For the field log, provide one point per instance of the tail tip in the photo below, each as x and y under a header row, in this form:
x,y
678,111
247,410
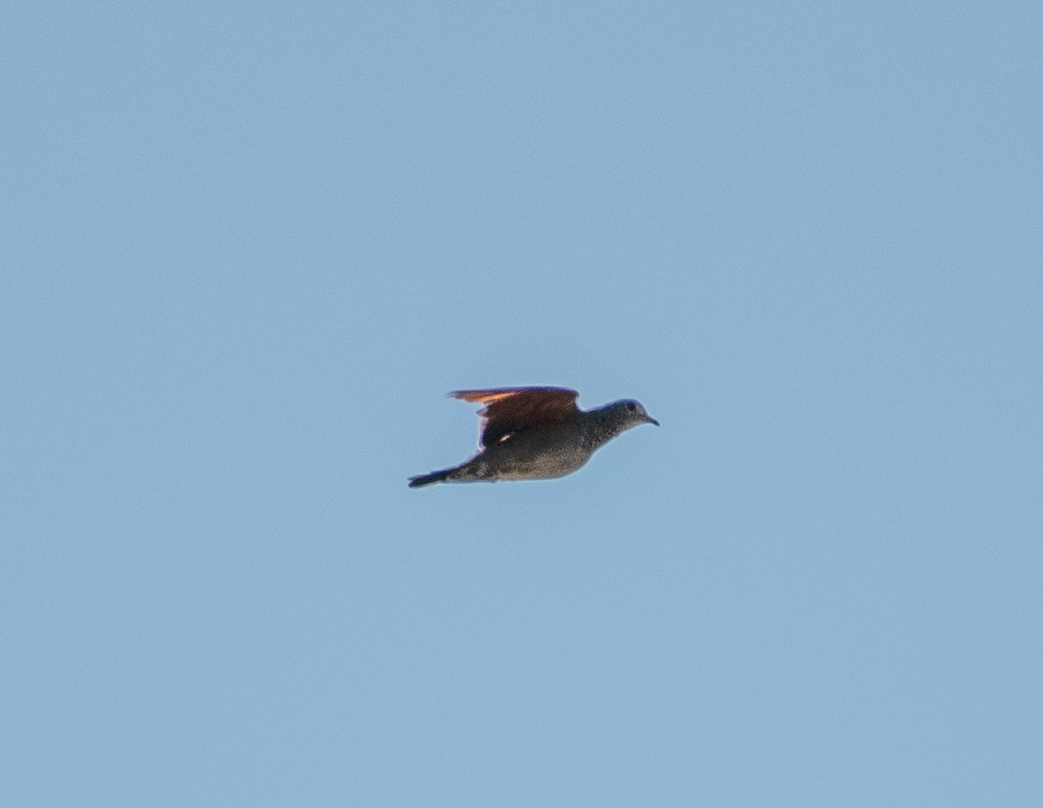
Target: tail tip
x,y
426,479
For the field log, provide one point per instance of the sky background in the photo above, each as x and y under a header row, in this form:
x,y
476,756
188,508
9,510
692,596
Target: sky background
x,y
246,250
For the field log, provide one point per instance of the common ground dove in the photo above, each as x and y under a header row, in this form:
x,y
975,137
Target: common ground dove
x,y
535,433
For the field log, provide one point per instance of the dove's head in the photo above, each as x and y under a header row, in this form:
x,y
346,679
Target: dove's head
x,y
628,413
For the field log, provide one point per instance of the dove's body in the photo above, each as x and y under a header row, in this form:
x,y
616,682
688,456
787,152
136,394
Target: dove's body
x,y
536,433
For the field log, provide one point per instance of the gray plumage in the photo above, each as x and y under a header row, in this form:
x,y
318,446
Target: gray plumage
x,y
536,433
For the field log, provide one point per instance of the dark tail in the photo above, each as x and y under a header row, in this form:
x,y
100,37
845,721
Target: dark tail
x,y
428,479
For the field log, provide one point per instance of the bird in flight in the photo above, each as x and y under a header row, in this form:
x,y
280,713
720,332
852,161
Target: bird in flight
x,y
535,433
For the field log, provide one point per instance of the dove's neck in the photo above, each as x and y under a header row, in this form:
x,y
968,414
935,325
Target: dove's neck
x,y
600,426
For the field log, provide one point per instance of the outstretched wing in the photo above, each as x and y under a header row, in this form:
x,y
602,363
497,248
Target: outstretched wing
x,y
509,410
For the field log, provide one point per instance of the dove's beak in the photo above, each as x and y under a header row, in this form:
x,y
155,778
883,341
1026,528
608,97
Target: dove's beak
x,y
651,420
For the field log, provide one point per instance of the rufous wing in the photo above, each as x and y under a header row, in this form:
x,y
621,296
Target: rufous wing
x,y
509,410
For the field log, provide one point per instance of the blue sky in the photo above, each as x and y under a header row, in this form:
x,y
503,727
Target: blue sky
x,y
245,251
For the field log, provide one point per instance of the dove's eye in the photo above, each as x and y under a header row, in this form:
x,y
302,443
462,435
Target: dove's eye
x,y
632,407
